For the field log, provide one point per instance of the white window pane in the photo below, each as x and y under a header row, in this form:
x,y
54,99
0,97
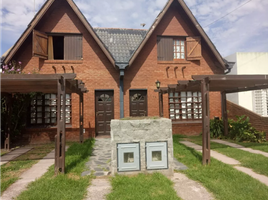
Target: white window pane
x,y
53,108
68,120
68,108
189,105
68,96
177,111
189,110
67,114
178,42
184,116
178,49
195,99
177,117
183,111
183,105
183,99
171,110
175,55
195,111
182,42
176,94
195,94
182,50
176,100
183,94
47,96
53,102
178,56
189,99
189,94
189,116
195,116
171,100
53,114
177,105
53,96
182,55
171,106
171,116
171,94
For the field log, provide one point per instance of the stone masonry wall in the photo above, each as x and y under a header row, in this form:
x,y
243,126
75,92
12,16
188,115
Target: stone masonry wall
x,y
142,131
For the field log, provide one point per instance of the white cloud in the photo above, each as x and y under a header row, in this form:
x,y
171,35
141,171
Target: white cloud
x,y
244,29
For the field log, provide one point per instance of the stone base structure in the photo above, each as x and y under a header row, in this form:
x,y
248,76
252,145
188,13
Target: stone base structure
x,y
142,132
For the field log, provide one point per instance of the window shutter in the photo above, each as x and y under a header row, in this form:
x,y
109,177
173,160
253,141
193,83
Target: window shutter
x,y
40,44
165,48
193,45
73,47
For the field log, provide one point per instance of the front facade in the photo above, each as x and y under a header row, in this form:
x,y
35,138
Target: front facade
x,y
257,100
119,68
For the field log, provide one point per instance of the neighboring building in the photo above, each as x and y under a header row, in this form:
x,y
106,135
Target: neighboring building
x,y
250,63
119,68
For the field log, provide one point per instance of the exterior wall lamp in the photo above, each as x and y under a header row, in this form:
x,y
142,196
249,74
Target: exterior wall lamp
x,y
157,84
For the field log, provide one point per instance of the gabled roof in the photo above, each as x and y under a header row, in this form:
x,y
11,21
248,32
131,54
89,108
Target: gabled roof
x,y
39,16
205,37
121,43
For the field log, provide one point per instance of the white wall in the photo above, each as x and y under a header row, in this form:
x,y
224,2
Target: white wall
x,y
247,63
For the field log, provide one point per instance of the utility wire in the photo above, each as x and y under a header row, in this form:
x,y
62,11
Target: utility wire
x,y
227,14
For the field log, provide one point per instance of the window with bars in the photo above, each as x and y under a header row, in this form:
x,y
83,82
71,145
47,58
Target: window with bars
x,y
185,105
261,102
43,109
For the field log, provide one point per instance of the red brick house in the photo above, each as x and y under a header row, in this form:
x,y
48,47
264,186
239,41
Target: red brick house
x,y
119,68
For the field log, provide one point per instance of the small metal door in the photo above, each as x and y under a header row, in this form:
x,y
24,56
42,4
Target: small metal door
x,y
138,103
128,157
156,155
104,111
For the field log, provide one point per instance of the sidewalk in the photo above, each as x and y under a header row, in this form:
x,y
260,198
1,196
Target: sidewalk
x,y
14,154
36,171
241,147
230,161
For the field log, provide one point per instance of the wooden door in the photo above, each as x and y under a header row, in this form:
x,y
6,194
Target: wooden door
x,y
138,103
104,101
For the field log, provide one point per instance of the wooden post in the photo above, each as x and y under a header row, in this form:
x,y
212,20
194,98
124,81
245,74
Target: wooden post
x,y
61,119
81,116
205,121
8,128
224,113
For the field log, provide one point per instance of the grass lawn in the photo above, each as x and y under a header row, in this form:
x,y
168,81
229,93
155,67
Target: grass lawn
x,y
142,186
11,171
64,186
256,162
221,179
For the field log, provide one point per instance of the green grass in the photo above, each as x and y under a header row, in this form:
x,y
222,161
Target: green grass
x,y
11,171
224,181
143,186
256,162
64,186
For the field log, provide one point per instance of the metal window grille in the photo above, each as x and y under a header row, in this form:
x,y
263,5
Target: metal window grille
x,y
185,105
43,110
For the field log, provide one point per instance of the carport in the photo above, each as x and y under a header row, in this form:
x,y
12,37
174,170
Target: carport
x,y
47,83
214,83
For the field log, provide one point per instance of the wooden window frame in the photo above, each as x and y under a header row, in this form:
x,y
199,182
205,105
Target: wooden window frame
x,y
180,39
176,104
42,97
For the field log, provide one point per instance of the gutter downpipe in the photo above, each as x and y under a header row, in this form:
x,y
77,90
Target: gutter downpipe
x,y
122,67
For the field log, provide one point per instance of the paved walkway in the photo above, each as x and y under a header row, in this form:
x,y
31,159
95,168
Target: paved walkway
x,y
14,154
188,189
36,171
98,189
230,161
241,147
100,159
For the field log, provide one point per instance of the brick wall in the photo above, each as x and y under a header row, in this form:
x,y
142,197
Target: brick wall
x,y
257,121
98,73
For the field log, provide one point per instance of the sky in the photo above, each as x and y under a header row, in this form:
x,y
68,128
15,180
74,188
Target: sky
x,y
232,25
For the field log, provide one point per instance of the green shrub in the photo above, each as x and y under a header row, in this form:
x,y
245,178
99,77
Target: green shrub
x,y
216,128
239,130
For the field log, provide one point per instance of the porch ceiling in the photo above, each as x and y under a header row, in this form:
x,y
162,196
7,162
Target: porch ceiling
x,y
223,83
46,83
